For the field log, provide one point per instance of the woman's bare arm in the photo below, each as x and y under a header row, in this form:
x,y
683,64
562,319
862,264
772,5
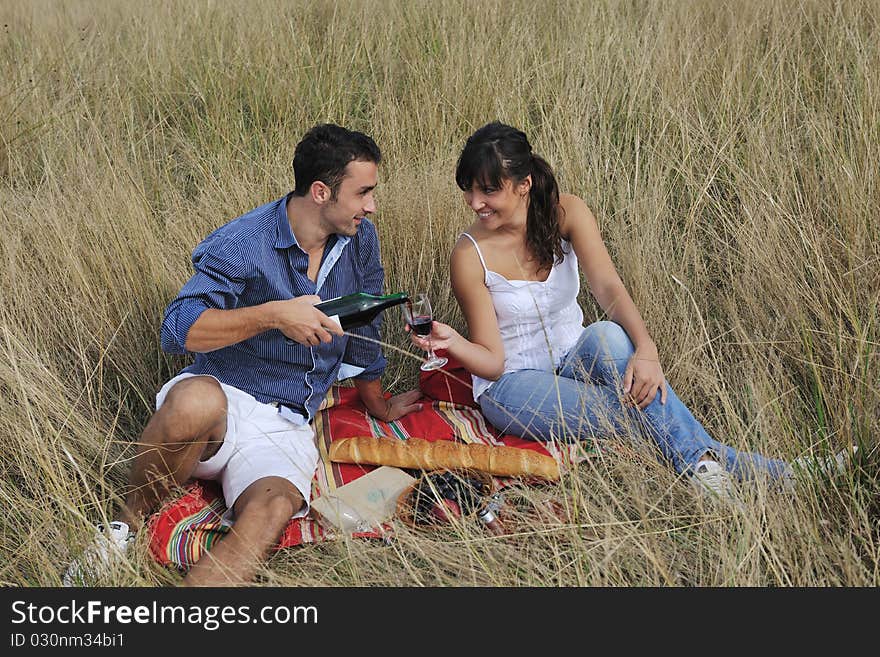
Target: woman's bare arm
x,y
644,376
483,353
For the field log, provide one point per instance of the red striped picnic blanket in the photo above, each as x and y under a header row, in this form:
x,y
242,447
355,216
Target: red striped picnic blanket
x,y
186,527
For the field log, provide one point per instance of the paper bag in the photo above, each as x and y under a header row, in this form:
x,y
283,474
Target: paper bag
x,y
366,502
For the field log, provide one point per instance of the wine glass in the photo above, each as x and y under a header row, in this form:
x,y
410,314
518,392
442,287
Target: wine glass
x,y
420,317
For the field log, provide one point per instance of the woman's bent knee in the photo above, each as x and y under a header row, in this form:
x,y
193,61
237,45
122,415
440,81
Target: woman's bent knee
x,y
609,338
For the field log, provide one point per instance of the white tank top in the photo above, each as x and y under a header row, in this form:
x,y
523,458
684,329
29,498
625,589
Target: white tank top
x,y
539,321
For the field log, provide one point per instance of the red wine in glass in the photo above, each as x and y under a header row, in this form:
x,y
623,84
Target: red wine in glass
x,y
421,324
420,317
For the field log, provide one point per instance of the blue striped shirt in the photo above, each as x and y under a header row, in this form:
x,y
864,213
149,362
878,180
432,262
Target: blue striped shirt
x,y
254,259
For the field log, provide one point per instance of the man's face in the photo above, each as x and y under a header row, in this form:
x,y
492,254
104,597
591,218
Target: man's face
x,y
354,199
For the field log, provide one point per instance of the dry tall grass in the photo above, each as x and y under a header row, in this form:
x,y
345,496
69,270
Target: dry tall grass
x,y
728,149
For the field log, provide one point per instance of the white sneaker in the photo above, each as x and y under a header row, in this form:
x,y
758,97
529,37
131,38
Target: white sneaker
x,y
710,476
810,466
107,548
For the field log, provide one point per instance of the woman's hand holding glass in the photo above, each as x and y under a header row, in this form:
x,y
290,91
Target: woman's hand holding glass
x,y
419,317
441,337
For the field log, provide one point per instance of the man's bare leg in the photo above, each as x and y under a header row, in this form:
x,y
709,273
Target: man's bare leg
x,y
189,426
262,512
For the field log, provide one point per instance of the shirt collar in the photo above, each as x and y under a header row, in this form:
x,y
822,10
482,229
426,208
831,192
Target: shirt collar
x,y
284,238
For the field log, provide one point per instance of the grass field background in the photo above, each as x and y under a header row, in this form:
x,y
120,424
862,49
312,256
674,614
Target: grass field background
x,y
728,149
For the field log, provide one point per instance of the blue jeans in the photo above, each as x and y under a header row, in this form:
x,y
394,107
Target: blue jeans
x,y
584,400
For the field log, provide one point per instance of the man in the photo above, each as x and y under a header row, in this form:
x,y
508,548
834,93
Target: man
x,y
265,357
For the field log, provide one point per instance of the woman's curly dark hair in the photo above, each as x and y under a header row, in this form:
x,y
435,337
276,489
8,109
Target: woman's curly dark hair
x,y
498,152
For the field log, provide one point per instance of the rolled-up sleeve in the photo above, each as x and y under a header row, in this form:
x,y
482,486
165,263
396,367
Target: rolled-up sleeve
x,y
367,353
218,281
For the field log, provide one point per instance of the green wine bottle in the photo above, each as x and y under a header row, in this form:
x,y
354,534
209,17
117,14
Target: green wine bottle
x,y
359,309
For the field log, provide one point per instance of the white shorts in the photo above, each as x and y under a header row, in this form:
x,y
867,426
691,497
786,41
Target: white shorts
x,y
259,443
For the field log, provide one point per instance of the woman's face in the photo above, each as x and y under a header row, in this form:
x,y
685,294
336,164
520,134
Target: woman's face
x,y
500,206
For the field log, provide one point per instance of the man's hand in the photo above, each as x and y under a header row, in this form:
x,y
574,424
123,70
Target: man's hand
x,y
398,406
299,320
389,409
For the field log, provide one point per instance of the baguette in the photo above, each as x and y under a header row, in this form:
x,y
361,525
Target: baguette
x,y
426,455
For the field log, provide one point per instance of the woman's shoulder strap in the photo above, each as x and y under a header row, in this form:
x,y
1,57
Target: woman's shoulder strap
x,y
477,247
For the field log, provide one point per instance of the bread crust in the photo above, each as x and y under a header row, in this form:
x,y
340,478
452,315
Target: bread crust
x,y
423,454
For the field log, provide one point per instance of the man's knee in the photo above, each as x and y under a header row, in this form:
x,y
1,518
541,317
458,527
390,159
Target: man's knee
x,y
274,500
193,408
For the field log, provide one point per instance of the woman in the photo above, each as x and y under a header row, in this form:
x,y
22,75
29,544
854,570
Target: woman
x,y
537,372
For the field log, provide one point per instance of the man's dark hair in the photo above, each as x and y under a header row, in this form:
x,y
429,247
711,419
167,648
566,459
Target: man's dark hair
x,y
324,152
